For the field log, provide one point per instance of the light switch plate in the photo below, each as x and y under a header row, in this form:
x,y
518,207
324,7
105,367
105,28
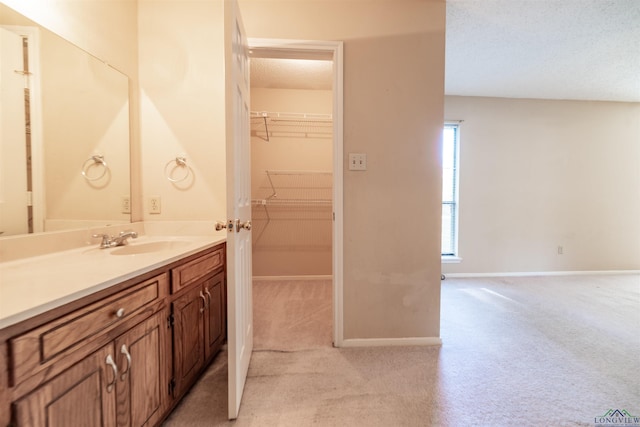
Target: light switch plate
x,y
357,162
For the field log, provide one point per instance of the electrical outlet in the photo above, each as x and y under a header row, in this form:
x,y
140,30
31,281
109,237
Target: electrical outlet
x,y
154,204
125,204
560,250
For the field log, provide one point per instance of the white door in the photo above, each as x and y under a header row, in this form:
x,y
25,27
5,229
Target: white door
x,y
13,146
239,277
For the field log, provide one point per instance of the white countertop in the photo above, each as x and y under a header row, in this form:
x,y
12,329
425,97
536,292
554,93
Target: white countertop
x,y
31,286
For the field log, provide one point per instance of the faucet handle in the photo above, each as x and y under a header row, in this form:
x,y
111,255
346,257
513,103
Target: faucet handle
x,y
106,240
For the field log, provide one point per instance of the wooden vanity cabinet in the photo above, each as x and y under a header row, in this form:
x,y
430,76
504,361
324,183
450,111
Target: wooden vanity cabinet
x,y
120,384
124,359
199,320
215,327
83,395
141,389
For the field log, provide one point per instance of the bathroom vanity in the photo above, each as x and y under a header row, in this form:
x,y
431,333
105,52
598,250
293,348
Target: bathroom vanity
x,y
121,344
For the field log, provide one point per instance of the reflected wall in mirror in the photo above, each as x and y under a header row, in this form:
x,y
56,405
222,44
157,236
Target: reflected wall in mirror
x,y
64,133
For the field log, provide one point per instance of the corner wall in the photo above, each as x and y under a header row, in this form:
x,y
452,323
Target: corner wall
x,y
539,174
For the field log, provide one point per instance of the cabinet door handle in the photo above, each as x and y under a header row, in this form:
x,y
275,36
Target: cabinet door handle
x,y
124,351
204,302
120,313
111,363
206,291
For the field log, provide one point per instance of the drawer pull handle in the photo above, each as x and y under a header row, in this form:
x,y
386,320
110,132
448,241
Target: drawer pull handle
x,y
124,351
120,313
204,302
206,291
111,363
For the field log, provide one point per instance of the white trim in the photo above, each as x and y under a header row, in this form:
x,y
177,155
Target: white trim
x,y
306,277
334,48
542,273
456,226
391,342
338,198
450,259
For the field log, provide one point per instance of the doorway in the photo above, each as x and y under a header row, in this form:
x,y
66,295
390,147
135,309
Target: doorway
x,y
296,138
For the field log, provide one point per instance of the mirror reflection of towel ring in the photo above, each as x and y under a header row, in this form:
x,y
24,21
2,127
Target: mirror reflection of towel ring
x,y
180,162
94,160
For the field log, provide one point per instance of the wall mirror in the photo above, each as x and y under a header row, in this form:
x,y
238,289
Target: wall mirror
x,y
64,133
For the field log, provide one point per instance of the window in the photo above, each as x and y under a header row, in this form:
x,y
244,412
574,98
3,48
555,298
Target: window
x,y
450,149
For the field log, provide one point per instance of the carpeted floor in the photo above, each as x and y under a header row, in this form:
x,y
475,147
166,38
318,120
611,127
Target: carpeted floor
x,y
536,351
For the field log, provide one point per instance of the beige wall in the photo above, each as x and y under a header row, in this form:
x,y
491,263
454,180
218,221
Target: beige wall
x,y
538,174
182,99
292,240
393,112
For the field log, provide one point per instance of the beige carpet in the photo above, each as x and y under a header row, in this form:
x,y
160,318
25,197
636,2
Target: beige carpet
x,y
554,351
292,315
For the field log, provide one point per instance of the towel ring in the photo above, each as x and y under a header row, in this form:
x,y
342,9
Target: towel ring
x,y
179,162
97,159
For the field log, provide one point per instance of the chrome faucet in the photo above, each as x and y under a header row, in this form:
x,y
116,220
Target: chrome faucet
x,y
119,240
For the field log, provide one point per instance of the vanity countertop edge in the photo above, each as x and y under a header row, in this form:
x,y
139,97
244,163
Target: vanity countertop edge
x,y
32,286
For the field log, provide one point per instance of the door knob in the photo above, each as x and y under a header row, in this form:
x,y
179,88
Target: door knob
x,y
246,225
220,225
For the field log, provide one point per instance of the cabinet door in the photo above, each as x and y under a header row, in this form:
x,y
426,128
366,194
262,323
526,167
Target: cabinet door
x,y
188,357
83,395
142,374
215,327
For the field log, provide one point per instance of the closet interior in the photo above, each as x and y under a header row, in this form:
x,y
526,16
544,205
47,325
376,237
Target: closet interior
x,y
291,176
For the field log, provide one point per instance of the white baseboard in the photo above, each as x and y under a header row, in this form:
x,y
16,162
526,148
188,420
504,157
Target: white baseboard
x,y
307,277
389,342
542,273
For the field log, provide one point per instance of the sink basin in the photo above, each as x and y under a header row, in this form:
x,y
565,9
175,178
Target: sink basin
x,y
149,247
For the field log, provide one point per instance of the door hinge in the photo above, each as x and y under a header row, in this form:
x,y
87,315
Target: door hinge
x,y
172,386
170,321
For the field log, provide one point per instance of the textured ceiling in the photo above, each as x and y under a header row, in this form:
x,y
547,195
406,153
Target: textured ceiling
x,y
291,73
550,49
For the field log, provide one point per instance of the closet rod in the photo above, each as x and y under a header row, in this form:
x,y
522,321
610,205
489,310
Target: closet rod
x,y
295,172
263,202
291,116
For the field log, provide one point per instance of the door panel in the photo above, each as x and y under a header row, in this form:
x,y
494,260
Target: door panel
x,y
239,307
142,380
188,337
214,327
80,396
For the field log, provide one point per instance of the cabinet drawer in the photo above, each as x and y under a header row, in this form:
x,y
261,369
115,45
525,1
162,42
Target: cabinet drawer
x,y
48,343
192,271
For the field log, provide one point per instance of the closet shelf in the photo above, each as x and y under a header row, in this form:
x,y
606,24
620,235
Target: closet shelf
x,y
295,197
291,202
266,124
